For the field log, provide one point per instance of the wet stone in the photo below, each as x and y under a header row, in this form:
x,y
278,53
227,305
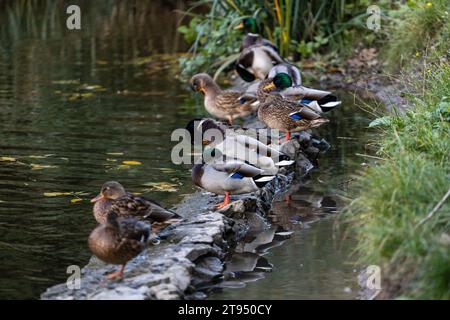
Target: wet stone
x,y
190,258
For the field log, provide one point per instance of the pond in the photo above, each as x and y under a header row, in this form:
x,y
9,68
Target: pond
x,y
83,107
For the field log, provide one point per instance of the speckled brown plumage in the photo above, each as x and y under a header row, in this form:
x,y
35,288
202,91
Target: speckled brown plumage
x,y
119,239
222,104
275,111
114,198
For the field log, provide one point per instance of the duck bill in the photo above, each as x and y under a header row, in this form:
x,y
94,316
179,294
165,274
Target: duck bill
x,y
97,198
269,86
239,26
202,91
205,142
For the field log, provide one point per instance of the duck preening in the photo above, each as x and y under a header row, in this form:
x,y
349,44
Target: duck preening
x,y
119,240
228,177
250,26
113,198
222,104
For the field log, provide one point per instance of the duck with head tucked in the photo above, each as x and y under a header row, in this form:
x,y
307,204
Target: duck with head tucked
x,y
237,146
114,198
222,104
119,240
227,177
284,114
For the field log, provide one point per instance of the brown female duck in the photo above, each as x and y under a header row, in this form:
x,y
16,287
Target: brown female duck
x,y
224,105
119,240
284,114
114,198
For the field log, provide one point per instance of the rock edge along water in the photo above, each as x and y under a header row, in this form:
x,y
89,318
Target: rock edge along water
x,y
192,254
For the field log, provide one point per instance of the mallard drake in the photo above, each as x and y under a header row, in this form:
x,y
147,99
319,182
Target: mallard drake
x,y
222,104
114,198
284,114
234,146
119,240
256,61
287,79
229,177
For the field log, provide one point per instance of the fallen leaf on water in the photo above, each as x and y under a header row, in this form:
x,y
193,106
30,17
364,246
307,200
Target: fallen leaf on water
x,y
161,186
40,157
10,159
131,162
57,194
78,96
74,81
35,166
115,153
75,200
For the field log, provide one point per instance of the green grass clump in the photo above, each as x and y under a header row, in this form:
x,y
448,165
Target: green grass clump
x,y
418,25
395,196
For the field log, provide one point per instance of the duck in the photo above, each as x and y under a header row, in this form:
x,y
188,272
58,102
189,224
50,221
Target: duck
x,y
289,85
114,198
237,146
227,178
223,104
283,114
252,37
119,240
255,62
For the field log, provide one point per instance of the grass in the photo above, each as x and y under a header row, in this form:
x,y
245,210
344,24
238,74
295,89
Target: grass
x,y
396,196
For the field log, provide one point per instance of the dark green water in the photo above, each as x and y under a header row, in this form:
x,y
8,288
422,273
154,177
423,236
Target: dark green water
x,y
75,105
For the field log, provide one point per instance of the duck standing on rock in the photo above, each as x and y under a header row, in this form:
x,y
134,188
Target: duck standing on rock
x,y
119,240
289,85
228,177
283,114
113,198
222,104
238,146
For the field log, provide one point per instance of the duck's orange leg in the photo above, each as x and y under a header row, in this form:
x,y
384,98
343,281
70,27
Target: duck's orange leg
x,y
230,120
226,201
117,274
288,136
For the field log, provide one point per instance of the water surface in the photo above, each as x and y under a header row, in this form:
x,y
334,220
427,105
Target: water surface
x,y
75,105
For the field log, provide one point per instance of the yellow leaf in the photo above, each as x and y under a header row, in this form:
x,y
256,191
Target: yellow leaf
x,y
10,159
162,186
131,162
35,166
57,194
75,200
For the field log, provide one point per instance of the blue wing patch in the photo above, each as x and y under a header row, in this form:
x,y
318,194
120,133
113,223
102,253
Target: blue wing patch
x,y
237,176
305,101
295,116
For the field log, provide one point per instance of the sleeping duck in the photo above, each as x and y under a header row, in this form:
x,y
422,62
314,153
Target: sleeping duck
x,y
119,240
284,114
224,105
114,198
228,177
237,146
